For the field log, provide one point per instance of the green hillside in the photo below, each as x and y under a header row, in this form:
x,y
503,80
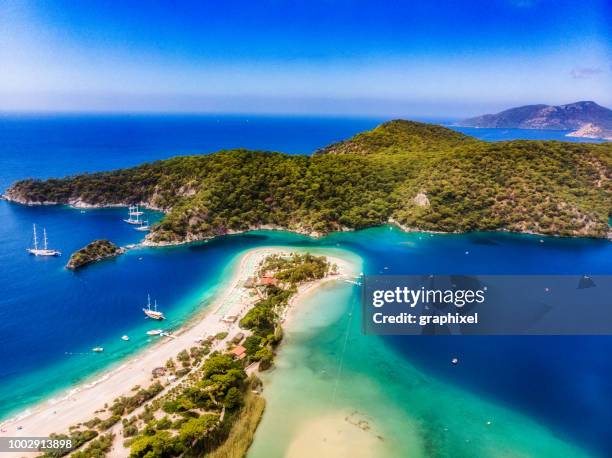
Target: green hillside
x,y
400,136
421,176
94,251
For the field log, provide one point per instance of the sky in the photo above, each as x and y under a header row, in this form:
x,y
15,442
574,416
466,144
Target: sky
x,y
427,58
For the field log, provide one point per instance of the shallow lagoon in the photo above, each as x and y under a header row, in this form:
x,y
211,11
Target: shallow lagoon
x,y
363,393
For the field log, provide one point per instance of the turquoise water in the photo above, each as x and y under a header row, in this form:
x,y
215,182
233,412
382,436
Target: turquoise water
x,y
329,373
50,317
183,278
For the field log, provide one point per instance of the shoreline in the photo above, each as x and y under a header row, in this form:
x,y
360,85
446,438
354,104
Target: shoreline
x,y
79,403
271,227
344,429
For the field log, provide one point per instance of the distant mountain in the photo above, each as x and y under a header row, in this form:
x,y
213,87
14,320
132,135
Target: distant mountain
x,y
585,119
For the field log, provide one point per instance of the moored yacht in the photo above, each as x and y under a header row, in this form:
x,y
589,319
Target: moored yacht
x,y
44,251
144,226
152,312
132,220
133,211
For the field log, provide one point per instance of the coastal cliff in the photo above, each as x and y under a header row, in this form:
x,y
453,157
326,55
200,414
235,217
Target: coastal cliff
x,y
419,176
93,252
590,130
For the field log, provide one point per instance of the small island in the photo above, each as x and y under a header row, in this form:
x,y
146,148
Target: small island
x,y
93,252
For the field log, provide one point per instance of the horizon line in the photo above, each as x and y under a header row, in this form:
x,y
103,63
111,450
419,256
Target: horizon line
x,y
389,117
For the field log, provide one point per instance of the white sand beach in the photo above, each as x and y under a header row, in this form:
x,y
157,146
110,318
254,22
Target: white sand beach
x,y
337,435
81,402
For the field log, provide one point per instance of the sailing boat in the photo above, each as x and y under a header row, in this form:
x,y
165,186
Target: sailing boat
x,y
132,213
144,226
45,251
152,313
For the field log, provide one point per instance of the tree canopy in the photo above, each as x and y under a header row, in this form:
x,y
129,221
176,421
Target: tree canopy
x,y
419,175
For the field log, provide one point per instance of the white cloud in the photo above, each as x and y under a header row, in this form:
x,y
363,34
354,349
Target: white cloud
x,y
585,72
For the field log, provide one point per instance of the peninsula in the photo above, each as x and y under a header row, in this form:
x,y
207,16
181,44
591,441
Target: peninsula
x,y
93,252
197,391
585,119
418,176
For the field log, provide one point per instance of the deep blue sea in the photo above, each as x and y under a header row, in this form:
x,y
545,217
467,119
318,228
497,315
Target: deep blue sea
x,y
50,317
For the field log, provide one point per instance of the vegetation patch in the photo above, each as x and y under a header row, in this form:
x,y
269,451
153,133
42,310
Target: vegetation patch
x,y
241,434
93,252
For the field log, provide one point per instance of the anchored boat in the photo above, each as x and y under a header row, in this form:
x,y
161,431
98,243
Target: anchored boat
x,y
44,251
133,211
153,312
144,226
131,220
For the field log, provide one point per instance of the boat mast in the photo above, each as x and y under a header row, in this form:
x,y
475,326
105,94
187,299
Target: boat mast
x,y
44,238
35,238
149,301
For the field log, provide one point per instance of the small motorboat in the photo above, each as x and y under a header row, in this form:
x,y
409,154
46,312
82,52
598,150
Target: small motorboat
x,y
97,349
126,338
154,332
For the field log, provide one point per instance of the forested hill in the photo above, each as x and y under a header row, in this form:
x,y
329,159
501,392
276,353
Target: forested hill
x,y
398,137
418,175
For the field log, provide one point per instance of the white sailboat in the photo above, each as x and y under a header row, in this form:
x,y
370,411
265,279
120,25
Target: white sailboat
x,y
144,226
133,211
131,219
44,251
152,313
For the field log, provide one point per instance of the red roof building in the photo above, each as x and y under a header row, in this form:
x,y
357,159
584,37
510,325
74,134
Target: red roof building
x,y
268,281
238,352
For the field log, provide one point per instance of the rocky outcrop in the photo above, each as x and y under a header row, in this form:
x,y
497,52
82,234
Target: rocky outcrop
x,y
93,252
421,200
17,195
590,130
